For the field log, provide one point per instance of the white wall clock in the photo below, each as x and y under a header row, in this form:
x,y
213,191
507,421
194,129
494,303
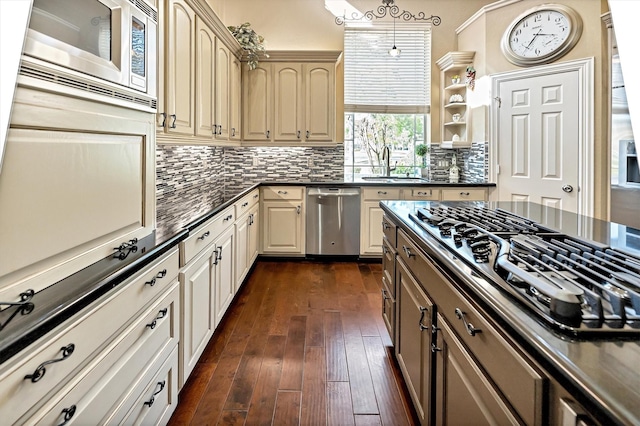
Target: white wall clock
x,y
541,35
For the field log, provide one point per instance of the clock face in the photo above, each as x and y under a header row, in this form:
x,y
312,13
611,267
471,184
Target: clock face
x,y
541,35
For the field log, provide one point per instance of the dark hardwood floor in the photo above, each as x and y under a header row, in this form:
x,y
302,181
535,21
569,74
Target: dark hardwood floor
x,y
302,344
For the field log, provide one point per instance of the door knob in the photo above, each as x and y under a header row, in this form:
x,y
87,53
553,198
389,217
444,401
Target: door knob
x,y
567,188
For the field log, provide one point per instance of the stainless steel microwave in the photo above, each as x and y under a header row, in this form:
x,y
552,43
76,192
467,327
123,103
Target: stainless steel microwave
x,y
111,40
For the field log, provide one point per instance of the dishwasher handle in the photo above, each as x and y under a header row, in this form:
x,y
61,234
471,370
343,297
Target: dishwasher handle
x,y
333,192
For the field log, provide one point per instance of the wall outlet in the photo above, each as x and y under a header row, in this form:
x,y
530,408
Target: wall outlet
x,y
254,161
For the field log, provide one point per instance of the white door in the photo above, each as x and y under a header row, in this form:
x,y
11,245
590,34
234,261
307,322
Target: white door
x,y
543,137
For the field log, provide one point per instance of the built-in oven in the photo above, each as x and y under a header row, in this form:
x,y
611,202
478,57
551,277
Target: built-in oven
x,y
109,40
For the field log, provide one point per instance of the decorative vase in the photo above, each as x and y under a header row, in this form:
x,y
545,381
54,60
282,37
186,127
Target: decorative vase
x,y
455,80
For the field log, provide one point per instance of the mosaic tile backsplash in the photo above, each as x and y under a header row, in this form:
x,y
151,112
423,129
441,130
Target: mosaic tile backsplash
x,y
225,171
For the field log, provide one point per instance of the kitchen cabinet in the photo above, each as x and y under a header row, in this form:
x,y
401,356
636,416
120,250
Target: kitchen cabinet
x,y
107,354
478,371
454,111
68,160
415,313
199,99
290,101
464,194
389,288
207,285
247,235
283,220
371,231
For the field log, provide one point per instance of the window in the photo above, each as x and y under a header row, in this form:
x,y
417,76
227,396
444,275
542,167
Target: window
x,y
386,98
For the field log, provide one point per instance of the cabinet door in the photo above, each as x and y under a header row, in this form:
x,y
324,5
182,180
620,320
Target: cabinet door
x,y
288,101
222,98
257,103
254,234
205,79
371,228
196,281
224,279
319,103
242,248
235,95
181,64
413,344
463,394
283,227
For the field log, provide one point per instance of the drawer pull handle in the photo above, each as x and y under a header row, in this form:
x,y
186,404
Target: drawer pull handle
x,y
308,134
41,370
164,119
203,236
173,125
158,276
256,196
68,414
384,295
382,192
423,312
245,204
156,391
219,255
228,218
161,314
435,348
24,306
233,132
251,219
298,209
407,251
124,249
385,225
465,194
424,193
470,328
282,192
298,134
268,133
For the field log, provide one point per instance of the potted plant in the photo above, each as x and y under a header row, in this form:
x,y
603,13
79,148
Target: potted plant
x,y
455,79
251,42
421,151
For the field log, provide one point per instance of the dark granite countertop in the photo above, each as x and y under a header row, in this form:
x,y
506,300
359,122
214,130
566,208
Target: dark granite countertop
x,y
604,372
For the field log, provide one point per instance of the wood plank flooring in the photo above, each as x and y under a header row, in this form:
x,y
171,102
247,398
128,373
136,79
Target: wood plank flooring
x,y
302,344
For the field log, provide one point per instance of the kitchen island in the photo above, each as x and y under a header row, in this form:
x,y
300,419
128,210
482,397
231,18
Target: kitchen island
x,y
530,368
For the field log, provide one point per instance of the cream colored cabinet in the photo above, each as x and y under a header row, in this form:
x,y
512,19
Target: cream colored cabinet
x,y
371,231
283,220
205,86
222,92
247,235
104,355
289,102
389,288
179,112
207,285
465,194
198,69
257,103
235,101
77,181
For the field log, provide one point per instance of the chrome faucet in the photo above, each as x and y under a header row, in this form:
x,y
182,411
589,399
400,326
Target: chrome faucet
x,y
386,157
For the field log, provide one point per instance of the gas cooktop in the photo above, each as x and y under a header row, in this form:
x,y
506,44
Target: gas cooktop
x,y
579,287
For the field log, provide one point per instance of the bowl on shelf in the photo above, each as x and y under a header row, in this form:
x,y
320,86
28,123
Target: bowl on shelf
x,y
457,97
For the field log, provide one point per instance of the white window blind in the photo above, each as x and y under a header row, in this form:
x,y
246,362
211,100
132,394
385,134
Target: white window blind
x,y
376,82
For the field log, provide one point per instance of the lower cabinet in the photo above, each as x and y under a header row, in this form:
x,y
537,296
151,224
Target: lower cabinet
x,y
463,392
96,367
247,238
389,288
415,314
208,287
283,220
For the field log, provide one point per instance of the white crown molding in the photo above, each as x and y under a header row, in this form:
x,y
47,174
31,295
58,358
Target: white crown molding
x,y
302,56
483,10
455,59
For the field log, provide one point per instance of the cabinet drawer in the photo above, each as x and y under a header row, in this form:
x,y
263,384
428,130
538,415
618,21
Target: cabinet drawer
x,y
205,234
517,379
464,194
422,194
247,202
381,193
389,231
107,383
87,332
282,193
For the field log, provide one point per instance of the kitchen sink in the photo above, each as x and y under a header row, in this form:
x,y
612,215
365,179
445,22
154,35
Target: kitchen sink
x,y
394,179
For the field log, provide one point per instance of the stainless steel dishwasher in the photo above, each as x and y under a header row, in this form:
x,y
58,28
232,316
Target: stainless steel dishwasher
x,y
333,221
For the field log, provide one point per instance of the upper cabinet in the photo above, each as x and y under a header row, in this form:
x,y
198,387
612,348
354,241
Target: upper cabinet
x,y
290,101
454,113
200,78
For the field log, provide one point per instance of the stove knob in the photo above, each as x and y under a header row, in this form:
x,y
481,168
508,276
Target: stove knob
x,y
481,247
470,233
478,239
